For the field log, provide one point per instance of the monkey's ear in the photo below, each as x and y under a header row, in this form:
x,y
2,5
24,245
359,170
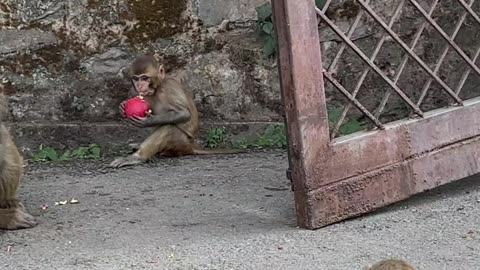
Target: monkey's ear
x,y
161,72
128,72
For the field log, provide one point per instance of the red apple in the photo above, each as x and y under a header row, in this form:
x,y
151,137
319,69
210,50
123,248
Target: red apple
x,y
136,107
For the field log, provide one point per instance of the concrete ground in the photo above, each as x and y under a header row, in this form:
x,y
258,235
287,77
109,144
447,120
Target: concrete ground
x,y
225,213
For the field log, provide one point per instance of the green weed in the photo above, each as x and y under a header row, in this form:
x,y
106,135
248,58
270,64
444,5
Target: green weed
x,y
266,30
92,151
349,126
216,137
274,136
266,27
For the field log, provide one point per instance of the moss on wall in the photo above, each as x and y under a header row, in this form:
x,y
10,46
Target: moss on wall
x,y
156,19
6,18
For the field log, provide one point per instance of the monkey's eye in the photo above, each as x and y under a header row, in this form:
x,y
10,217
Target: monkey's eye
x,y
141,78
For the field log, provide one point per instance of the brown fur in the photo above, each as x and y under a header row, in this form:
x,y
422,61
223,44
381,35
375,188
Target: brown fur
x,y
391,264
168,100
13,215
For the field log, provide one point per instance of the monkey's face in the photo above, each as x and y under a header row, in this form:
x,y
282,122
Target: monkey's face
x,y
142,84
146,76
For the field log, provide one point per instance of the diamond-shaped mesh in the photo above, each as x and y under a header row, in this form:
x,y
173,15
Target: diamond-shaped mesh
x,y
387,61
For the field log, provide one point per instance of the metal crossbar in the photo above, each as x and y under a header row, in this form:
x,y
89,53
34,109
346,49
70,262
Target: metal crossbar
x,y
408,54
410,51
477,52
405,58
350,32
444,54
369,63
367,70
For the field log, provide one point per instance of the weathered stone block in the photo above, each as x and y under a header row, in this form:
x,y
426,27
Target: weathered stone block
x,y
109,63
213,12
12,40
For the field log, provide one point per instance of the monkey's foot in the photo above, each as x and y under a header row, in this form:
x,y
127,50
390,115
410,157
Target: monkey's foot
x,y
125,161
15,219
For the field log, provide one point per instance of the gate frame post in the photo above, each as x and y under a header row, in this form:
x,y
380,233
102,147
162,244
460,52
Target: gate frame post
x,y
301,80
355,174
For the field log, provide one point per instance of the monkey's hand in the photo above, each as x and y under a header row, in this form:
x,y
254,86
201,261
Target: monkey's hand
x,y
141,122
122,107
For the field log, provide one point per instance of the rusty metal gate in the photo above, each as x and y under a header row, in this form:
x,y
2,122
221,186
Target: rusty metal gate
x,y
433,141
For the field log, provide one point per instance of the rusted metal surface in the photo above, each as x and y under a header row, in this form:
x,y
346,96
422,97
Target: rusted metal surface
x,y
367,151
300,68
367,192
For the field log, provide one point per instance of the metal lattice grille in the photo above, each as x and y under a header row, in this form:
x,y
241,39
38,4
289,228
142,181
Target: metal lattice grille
x,y
432,90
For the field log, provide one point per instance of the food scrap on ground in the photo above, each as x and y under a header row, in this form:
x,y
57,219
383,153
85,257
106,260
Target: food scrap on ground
x,y
72,201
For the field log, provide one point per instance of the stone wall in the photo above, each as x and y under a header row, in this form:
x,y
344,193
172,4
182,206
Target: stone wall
x,y
63,63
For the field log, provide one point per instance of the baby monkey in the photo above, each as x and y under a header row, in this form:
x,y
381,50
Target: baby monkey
x,y
391,264
174,115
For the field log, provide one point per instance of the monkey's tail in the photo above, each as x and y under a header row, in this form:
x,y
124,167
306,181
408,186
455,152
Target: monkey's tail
x,y
199,151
